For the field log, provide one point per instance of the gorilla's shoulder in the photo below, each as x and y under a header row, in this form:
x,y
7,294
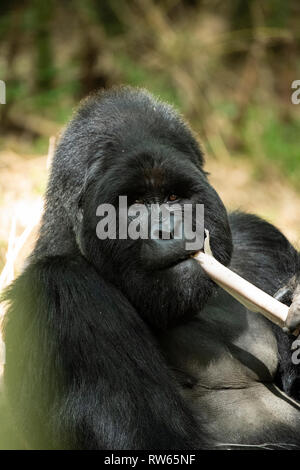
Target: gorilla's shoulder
x,y
261,253
246,227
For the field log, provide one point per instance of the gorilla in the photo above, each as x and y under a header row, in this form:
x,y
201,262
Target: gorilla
x,y
127,344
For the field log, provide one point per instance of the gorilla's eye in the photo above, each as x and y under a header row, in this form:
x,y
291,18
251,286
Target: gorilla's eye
x,y
172,197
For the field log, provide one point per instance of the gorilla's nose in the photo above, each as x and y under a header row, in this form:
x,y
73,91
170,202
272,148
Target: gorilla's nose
x,y
161,233
166,228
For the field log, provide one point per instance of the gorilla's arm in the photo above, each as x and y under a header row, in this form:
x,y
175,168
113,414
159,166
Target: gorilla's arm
x,y
83,362
264,256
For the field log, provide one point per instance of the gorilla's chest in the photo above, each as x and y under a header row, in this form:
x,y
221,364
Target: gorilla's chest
x,y
225,347
225,361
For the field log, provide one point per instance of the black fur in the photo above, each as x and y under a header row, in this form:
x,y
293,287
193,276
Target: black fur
x,y
264,256
86,367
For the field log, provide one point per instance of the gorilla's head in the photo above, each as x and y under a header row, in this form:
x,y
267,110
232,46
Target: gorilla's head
x,y
124,142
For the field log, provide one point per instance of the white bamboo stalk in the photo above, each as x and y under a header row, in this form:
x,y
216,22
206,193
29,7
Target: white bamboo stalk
x,y
246,293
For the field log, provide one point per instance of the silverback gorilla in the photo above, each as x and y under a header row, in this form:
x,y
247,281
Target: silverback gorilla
x,y
122,344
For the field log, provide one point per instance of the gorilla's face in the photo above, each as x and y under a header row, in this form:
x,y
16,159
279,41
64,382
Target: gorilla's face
x,y
136,146
159,277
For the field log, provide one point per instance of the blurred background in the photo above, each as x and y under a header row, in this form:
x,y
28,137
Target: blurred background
x,y
227,66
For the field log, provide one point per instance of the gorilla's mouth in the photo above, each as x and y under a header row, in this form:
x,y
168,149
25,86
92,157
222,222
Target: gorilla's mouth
x,y
168,254
188,257
183,265
185,257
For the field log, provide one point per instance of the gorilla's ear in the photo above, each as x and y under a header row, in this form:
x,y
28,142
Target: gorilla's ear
x,y
78,219
92,171
79,215
90,174
78,204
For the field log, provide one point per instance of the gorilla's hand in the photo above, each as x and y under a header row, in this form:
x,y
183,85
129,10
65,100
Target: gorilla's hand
x,y
293,319
290,295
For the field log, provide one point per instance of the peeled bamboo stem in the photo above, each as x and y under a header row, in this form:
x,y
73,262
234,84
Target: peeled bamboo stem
x,y
246,293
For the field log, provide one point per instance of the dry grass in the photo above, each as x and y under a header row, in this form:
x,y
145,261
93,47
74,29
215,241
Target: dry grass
x,y
20,213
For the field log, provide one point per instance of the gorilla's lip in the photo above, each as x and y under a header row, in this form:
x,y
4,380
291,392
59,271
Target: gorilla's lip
x,y
180,260
159,256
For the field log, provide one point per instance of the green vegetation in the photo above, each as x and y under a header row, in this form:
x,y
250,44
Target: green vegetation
x,y
227,65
